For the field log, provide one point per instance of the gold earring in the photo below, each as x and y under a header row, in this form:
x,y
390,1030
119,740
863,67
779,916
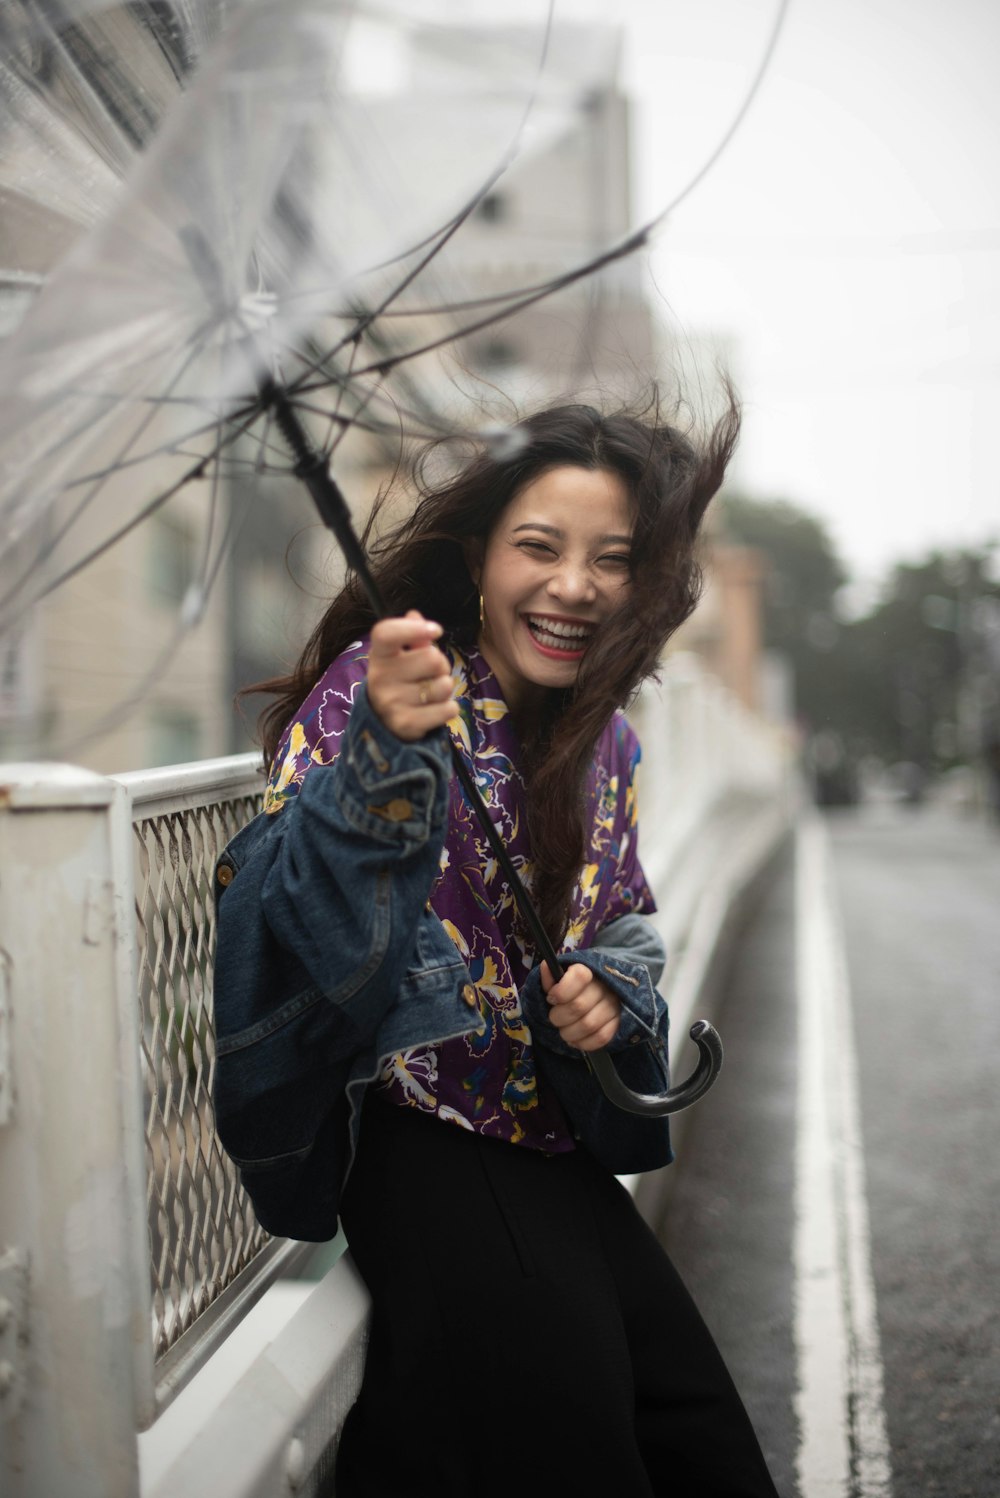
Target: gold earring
x,y
482,613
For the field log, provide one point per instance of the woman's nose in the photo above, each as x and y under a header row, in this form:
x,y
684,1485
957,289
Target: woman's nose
x,y
572,584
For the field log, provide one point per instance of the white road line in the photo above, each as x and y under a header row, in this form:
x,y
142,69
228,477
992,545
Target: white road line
x,y
844,1448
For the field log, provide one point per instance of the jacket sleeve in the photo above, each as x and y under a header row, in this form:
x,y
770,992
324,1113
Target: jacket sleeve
x,y
324,898
621,1142
353,868
317,918
634,938
629,955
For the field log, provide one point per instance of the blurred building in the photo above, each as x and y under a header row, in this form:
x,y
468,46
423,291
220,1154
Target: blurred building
x,y
565,200
725,629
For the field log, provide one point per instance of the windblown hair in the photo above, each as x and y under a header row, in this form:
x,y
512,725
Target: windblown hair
x,y
670,476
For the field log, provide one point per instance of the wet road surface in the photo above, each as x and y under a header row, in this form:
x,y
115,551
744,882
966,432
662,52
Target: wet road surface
x,y
836,1201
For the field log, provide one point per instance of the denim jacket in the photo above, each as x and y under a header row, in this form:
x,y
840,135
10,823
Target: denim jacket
x,y
329,959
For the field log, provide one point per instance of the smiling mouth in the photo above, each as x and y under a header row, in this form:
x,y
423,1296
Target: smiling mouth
x,y
559,636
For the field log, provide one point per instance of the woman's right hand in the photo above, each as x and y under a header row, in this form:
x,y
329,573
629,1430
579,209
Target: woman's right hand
x,y
410,686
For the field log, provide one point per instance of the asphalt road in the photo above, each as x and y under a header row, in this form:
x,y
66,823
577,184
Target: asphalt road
x,y
873,1373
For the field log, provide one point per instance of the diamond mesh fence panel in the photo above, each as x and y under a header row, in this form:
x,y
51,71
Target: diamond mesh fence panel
x,y
202,1230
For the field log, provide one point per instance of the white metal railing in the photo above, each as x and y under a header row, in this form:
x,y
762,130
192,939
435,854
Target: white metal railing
x,y
700,745
209,1257
130,1249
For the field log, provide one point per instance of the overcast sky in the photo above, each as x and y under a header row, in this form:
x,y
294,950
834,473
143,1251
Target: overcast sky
x,y
848,241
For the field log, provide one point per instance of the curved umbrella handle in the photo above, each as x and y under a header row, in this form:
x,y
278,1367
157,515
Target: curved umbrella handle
x,y
658,1105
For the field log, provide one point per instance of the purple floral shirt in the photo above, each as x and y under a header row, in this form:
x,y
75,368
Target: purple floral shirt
x,y
487,1081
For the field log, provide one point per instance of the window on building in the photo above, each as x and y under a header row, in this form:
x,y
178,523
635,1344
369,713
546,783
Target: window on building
x,y
494,208
17,682
171,559
174,736
497,353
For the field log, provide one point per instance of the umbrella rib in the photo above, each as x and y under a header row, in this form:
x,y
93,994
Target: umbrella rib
x,y
95,481
432,243
516,302
435,243
155,402
264,442
334,419
354,420
355,345
166,655
558,283
141,515
525,298
777,26
174,445
375,427
422,423
77,47
304,382
196,345
213,510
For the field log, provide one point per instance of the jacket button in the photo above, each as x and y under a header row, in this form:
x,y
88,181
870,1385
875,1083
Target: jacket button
x,y
636,1040
224,874
469,995
396,810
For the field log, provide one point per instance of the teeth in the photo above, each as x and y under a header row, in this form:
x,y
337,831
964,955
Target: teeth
x,y
558,630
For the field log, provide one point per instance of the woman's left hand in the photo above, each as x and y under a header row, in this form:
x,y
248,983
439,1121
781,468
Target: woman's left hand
x,y
582,1007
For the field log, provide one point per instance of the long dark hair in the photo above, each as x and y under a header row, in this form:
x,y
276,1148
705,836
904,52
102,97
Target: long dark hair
x,y
670,475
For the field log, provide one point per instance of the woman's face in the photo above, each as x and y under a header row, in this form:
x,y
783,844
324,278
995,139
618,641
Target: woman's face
x,y
554,566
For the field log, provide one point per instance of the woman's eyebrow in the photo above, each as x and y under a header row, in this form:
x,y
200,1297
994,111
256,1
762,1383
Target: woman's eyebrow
x,y
553,530
537,525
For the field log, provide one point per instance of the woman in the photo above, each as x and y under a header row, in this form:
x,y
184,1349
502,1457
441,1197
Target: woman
x,y
389,1047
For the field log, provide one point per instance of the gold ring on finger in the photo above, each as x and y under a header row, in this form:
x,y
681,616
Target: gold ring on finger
x,y
424,693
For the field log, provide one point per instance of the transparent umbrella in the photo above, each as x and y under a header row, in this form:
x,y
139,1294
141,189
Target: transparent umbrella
x,y
242,204
211,213
205,202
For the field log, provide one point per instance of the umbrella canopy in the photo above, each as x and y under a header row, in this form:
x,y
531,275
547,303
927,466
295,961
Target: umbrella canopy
x,y
202,200
226,178
210,209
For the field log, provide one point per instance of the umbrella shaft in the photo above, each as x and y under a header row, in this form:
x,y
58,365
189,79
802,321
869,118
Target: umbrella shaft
x,y
312,468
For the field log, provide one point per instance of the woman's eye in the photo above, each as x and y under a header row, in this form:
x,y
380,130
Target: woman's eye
x,y
536,546
617,558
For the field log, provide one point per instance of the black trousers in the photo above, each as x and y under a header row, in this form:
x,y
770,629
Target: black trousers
x,y
529,1335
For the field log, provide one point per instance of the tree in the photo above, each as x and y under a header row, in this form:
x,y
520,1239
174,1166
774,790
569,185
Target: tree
x,y
915,680
923,662
804,575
